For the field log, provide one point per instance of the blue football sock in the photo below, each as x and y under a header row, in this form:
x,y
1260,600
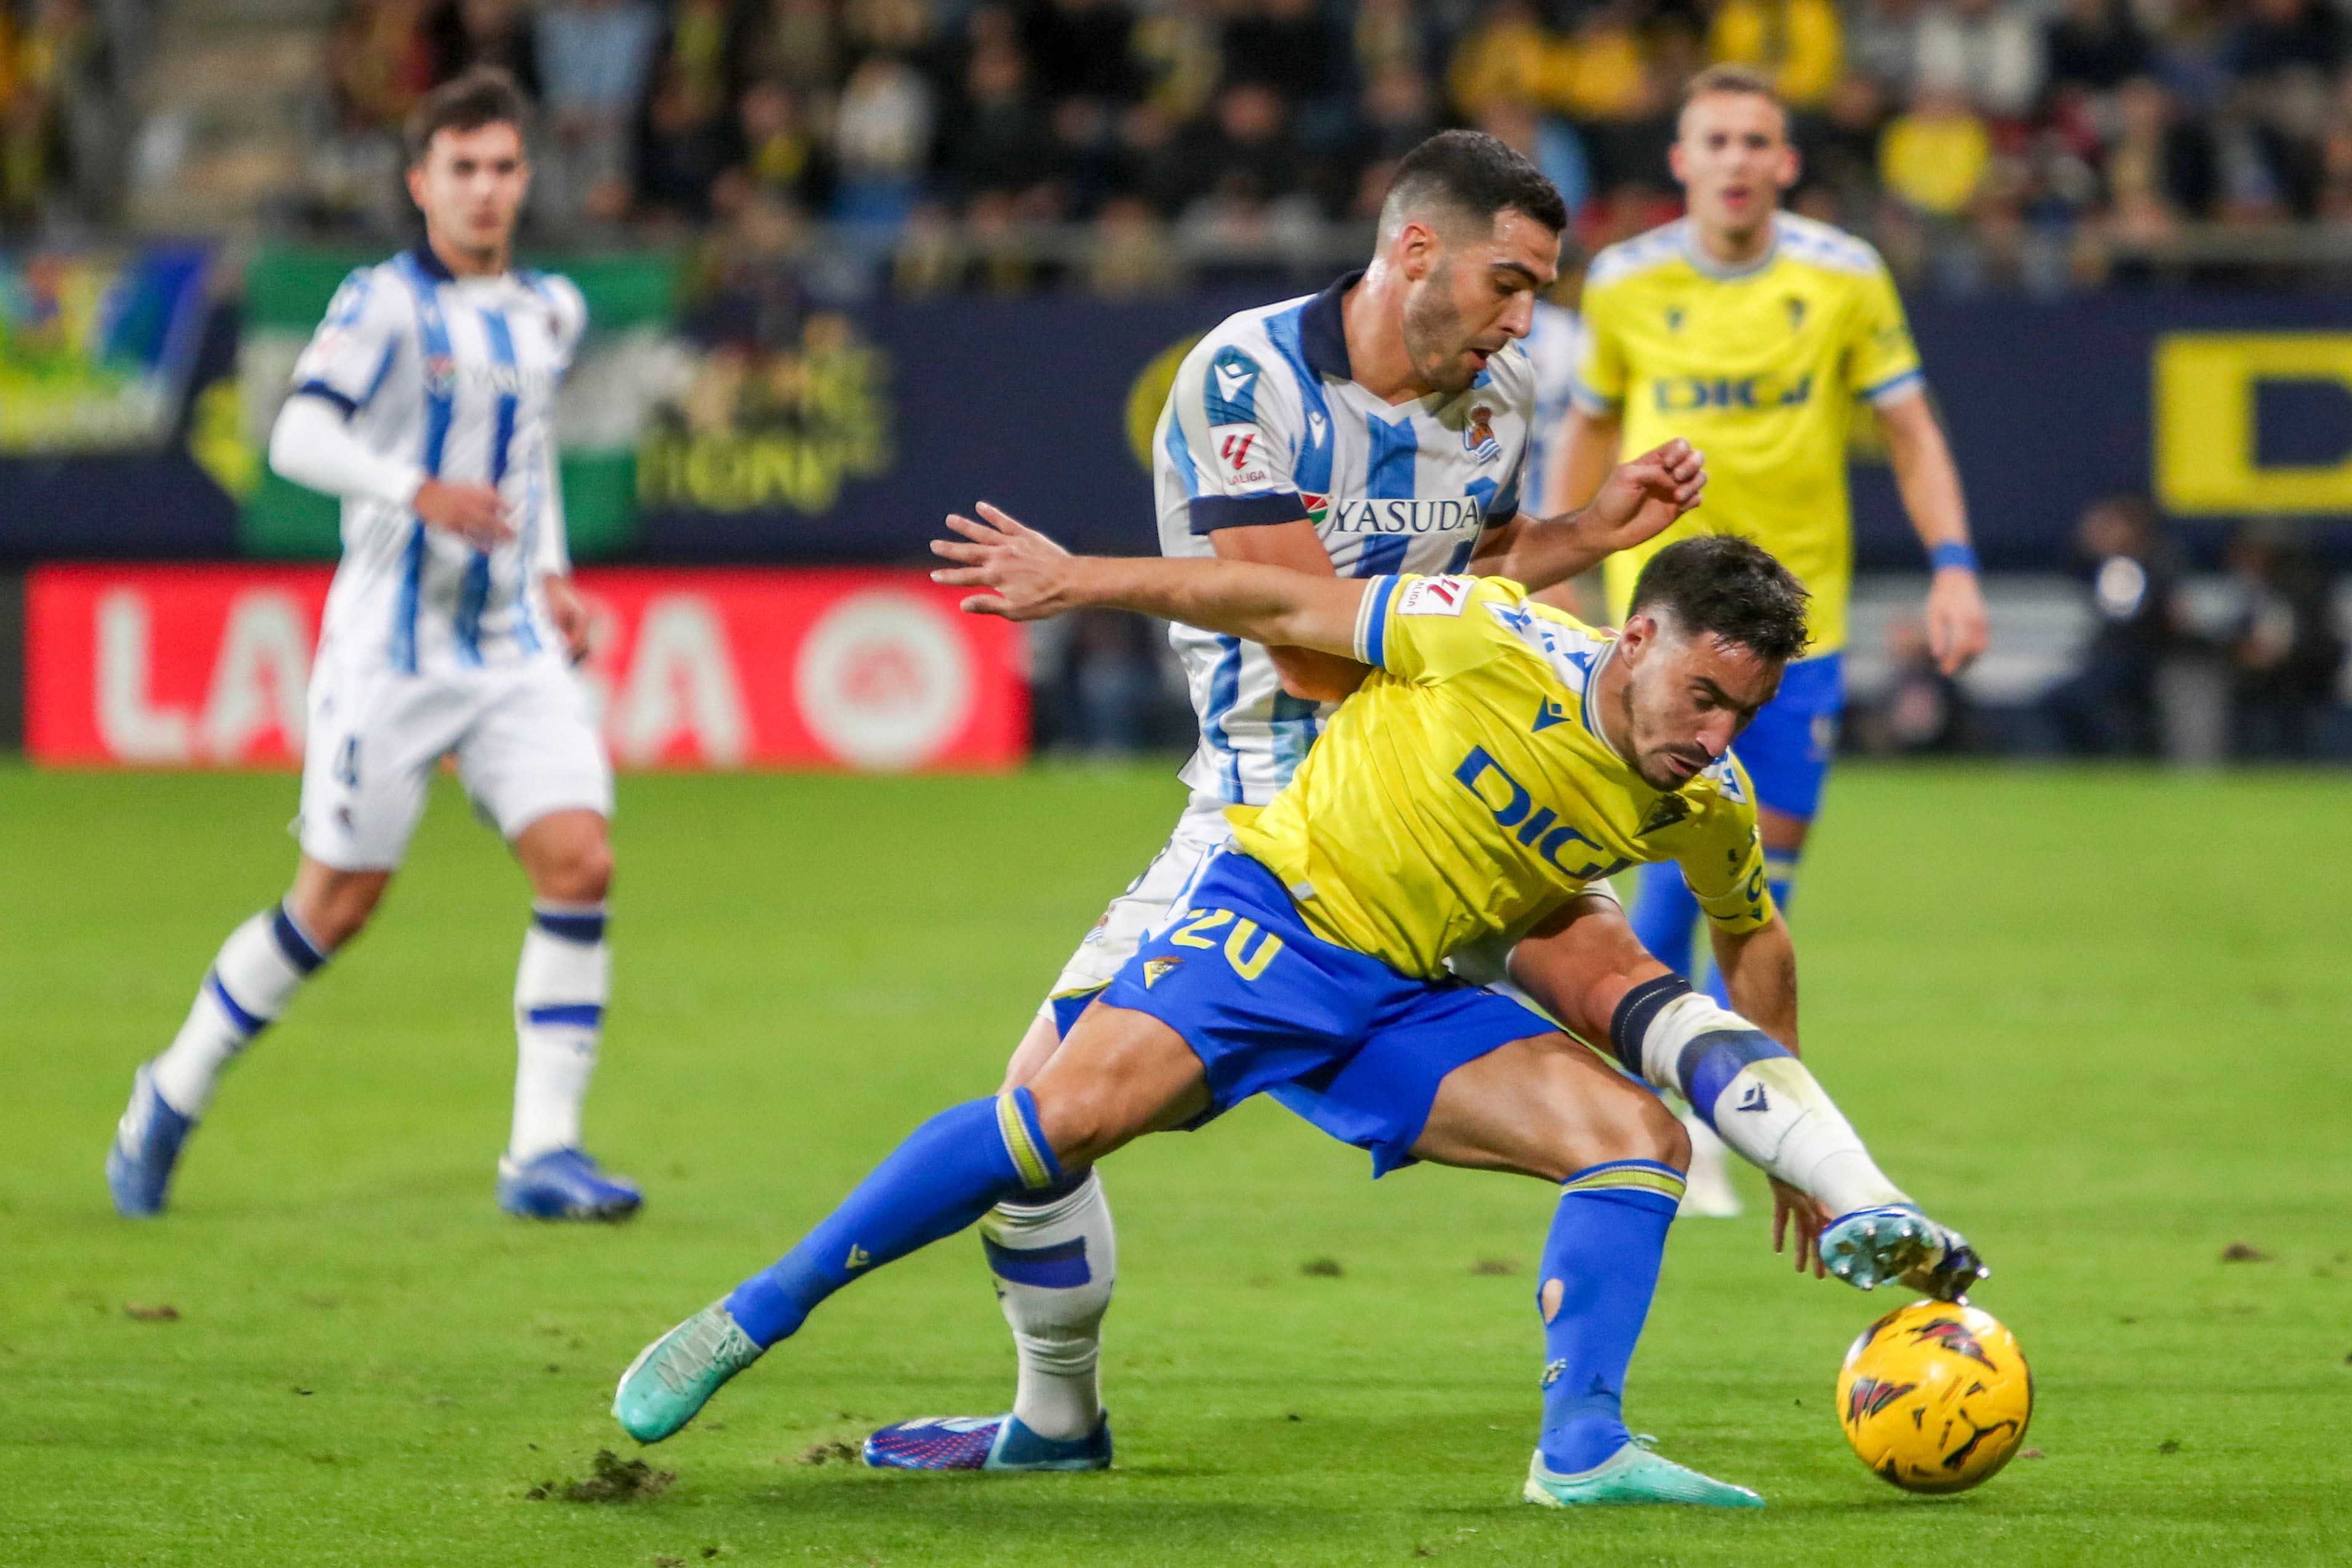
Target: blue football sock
x,y
1664,912
1599,1269
951,1170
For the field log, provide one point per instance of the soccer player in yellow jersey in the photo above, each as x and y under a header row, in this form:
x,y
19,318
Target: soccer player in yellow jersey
x,y
1500,761
1754,333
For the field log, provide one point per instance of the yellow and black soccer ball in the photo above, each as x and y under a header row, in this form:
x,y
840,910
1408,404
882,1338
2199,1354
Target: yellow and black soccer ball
x,y
1935,1397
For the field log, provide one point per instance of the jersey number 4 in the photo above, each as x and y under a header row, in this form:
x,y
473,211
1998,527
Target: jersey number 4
x,y
1248,965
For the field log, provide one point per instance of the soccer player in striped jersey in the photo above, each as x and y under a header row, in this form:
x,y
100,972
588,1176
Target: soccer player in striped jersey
x,y
1380,426
426,401
1499,763
1755,333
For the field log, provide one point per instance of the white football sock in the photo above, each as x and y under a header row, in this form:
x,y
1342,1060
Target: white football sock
x,y
1055,1264
560,987
257,972
1761,1101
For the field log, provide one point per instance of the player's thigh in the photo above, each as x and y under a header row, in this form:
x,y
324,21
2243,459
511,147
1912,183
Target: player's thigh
x,y
1119,1075
530,751
1143,908
1038,1046
1547,1107
373,741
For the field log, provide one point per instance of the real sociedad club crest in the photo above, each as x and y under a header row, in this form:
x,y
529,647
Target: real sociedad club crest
x,y
441,372
1479,436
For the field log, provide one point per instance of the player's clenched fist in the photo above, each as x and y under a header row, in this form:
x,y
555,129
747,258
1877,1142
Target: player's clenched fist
x,y
1029,572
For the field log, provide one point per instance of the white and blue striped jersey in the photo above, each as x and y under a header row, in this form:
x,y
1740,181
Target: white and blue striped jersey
x,y
1265,424
458,376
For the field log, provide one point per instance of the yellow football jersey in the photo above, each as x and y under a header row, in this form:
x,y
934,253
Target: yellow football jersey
x,y
1759,371
1466,788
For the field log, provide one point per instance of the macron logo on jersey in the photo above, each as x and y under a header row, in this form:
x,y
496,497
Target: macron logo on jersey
x,y
1233,380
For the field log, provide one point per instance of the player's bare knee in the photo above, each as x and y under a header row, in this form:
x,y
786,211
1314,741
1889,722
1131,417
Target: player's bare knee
x,y
1669,1140
587,874
1080,1126
1623,1122
580,871
333,906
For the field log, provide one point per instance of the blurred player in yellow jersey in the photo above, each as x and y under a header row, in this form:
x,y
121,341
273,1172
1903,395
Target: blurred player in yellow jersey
x,y
1753,333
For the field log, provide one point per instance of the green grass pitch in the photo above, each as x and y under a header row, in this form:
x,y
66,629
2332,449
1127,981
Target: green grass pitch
x,y
2097,1020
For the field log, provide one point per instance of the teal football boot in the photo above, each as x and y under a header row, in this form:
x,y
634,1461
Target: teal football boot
x,y
1631,1475
676,1376
1897,1243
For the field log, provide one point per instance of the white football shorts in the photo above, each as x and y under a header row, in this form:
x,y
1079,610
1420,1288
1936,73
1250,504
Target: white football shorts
x,y
1200,832
521,732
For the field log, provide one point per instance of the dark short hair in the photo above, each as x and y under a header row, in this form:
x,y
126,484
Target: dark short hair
x,y
482,95
1730,587
1476,175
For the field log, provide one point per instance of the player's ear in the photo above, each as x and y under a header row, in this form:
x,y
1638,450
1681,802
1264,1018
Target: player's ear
x,y
416,185
1418,248
1674,160
1792,164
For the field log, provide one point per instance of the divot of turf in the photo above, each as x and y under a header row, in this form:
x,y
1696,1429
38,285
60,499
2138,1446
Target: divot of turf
x,y
611,1478
828,1451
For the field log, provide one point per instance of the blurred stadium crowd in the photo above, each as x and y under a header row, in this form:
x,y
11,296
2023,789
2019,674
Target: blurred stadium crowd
x,y
809,153
1128,145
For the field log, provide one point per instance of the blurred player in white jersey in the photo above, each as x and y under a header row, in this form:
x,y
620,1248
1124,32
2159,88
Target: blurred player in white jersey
x,y
1380,426
426,402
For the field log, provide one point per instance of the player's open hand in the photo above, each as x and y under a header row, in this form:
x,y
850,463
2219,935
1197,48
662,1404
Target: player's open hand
x,y
475,513
1958,630
1029,572
1799,1211
1639,499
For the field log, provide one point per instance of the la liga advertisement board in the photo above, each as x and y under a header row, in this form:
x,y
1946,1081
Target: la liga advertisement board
x,y
206,666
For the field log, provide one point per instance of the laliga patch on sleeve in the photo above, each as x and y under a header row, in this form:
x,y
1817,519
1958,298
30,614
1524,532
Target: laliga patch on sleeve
x,y
1434,596
1242,462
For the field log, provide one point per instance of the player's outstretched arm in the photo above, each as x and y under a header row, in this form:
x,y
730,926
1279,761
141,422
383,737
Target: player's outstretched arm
x,y
1636,503
1031,578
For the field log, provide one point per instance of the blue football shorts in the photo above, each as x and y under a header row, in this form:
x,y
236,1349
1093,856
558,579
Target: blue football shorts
x,y
1335,1035
1787,750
